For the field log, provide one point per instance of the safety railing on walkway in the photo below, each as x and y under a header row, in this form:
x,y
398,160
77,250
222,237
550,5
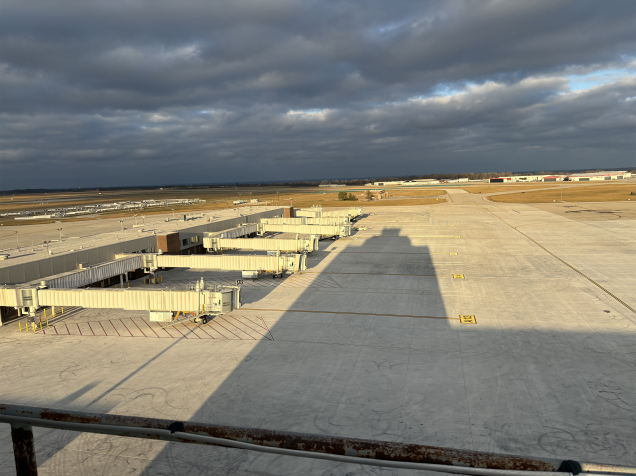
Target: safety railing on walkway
x,y
347,450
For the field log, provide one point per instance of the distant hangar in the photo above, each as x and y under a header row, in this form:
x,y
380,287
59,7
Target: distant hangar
x,y
593,176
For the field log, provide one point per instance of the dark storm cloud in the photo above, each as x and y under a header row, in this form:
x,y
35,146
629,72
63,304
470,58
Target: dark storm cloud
x,y
97,93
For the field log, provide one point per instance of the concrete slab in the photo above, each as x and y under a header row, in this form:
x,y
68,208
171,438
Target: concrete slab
x,y
548,370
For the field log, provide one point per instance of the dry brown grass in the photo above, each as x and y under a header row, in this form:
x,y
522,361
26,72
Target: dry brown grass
x,y
587,193
416,193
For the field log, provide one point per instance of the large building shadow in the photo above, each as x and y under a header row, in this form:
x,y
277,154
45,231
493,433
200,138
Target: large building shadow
x,y
366,329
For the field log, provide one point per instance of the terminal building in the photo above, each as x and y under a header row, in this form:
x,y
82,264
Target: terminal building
x,y
74,273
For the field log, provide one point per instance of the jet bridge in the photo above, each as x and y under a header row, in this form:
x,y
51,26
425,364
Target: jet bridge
x,y
243,230
352,213
336,220
199,300
297,245
318,212
323,231
251,265
91,274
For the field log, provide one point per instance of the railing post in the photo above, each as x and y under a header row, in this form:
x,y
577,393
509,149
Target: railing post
x,y
23,449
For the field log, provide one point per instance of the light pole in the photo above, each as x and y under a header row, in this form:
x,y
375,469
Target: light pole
x,y
122,224
173,213
60,230
143,218
135,217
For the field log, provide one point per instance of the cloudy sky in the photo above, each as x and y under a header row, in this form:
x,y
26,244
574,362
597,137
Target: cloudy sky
x,y
107,93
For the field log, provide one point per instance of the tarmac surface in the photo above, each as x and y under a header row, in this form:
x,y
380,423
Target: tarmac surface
x,y
367,343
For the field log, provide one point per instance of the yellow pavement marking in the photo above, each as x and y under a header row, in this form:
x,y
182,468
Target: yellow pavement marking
x,y
465,319
458,276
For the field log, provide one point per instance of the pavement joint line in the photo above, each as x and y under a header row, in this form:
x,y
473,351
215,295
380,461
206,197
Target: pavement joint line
x,y
407,236
383,252
352,313
564,262
384,274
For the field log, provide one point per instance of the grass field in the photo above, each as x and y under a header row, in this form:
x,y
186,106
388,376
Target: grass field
x,y
589,193
215,199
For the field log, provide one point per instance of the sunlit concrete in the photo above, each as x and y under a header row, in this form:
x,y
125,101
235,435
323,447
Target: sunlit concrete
x,y
368,343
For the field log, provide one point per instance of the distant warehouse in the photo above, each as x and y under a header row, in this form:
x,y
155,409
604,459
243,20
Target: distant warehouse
x,y
561,178
598,176
524,178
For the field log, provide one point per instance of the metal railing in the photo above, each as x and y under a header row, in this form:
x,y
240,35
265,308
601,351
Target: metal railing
x,y
347,450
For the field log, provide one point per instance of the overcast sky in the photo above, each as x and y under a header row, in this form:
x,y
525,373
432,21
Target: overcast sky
x,y
108,93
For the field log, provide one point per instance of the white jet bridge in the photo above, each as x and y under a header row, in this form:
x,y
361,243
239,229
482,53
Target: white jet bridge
x,y
291,245
251,265
337,220
323,231
352,213
318,212
162,304
239,231
87,275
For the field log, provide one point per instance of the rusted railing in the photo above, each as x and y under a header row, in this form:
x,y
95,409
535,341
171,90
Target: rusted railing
x,y
352,450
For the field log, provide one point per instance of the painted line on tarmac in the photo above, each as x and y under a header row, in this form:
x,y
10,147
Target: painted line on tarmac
x,y
565,263
352,313
406,236
385,274
384,252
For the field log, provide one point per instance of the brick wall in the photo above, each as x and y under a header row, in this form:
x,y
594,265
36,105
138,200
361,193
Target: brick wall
x,y
170,244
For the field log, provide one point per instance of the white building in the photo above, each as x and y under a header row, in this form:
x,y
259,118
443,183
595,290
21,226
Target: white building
x,y
527,178
596,176
425,181
383,184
